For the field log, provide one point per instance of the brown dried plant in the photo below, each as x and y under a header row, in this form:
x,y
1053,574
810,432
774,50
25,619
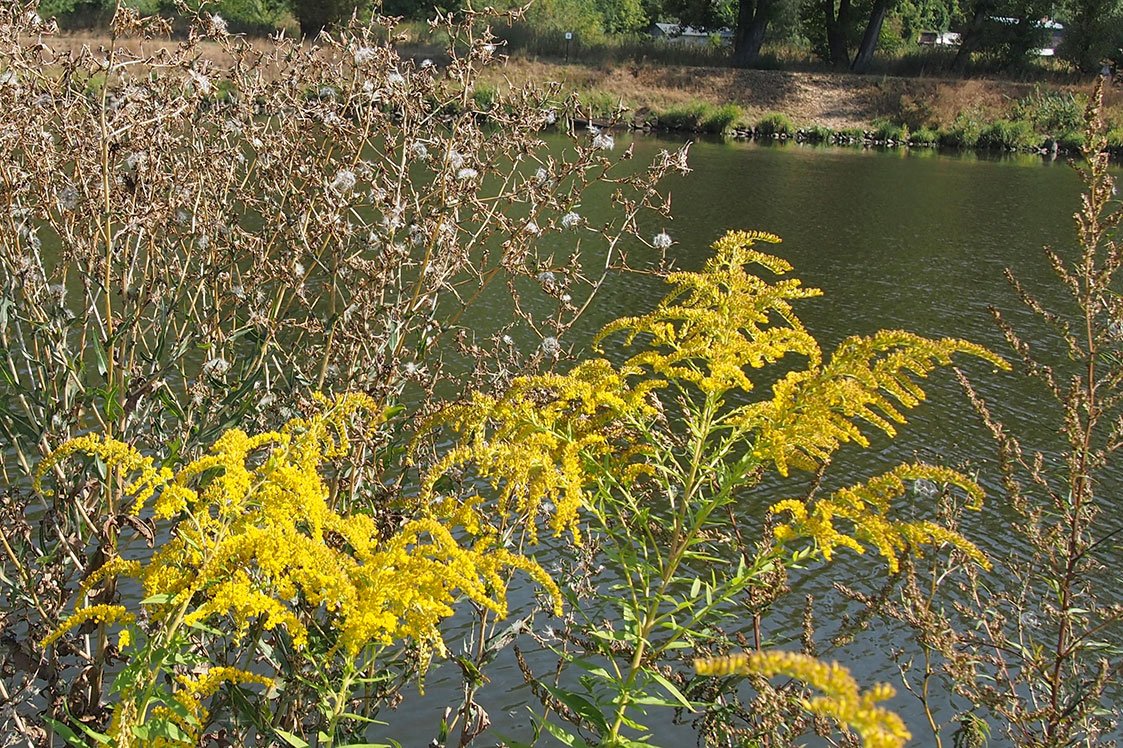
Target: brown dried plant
x,y
192,238
1036,644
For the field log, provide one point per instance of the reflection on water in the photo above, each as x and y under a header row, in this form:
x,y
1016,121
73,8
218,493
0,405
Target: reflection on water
x,y
895,239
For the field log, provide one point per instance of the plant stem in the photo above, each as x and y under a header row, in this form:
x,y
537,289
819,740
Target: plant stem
x,y
681,539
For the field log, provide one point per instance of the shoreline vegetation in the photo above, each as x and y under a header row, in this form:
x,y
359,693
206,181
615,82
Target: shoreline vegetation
x,y
803,106
292,375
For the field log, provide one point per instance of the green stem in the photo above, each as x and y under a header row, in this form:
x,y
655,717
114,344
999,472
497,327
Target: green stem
x,y
681,539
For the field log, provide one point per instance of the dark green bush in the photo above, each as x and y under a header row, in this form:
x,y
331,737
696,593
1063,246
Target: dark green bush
x,y
1009,134
775,123
682,117
963,133
1115,139
924,136
1071,141
818,134
484,97
720,119
1051,112
886,130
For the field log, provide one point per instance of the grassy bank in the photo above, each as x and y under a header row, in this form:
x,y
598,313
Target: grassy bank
x,y
987,114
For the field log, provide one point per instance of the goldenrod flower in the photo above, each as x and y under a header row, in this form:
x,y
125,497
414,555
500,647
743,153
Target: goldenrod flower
x,y
257,541
841,698
866,509
107,614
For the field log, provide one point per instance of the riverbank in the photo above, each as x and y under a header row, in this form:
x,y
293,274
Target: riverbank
x,y
840,108
835,100
817,106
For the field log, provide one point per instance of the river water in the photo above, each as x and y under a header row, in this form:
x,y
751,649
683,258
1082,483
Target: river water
x,y
896,239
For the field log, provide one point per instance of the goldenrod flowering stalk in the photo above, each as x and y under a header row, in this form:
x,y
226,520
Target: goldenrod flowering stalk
x,y
866,508
257,543
841,698
104,614
658,451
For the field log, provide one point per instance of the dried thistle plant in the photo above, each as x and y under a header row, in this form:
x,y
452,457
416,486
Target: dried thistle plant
x,y
202,233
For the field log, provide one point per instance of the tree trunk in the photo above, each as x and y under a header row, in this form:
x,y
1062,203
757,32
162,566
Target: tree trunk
x,y
969,41
870,37
752,24
837,45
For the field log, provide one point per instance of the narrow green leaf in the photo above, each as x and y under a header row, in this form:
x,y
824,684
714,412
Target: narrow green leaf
x,y
289,738
565,737
671,689
579,704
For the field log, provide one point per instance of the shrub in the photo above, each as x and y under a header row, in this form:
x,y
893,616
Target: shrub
x,y
775,123
1071,142
316,15
720,119
646,458
889,131
686,117
964,132
1008,135
601,104
818,134
1115,139
203,238
1051,112
924,136
1040,625
484,97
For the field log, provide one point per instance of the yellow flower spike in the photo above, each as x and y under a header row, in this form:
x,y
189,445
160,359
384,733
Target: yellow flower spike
x,y
116,455
115,567
97,613
257,542
867,509
841,698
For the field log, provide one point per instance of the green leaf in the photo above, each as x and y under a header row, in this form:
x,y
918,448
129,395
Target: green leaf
x,y
100,357
596,670
579,704
289,738
565,737
162,598
361,718
670,688
161,729
71,737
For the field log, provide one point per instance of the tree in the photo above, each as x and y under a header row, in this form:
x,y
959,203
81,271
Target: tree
x,y
1092,32
1006,30
835,27
753,17
316,15
749,18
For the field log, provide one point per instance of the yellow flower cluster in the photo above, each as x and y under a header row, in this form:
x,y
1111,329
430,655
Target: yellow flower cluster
x,y
539,441
866,509
814,410
841,698
717,323
193,694
536,442
106,614
258,542
116,455
188,714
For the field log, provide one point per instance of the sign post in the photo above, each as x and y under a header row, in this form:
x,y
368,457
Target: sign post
x,y
568,39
